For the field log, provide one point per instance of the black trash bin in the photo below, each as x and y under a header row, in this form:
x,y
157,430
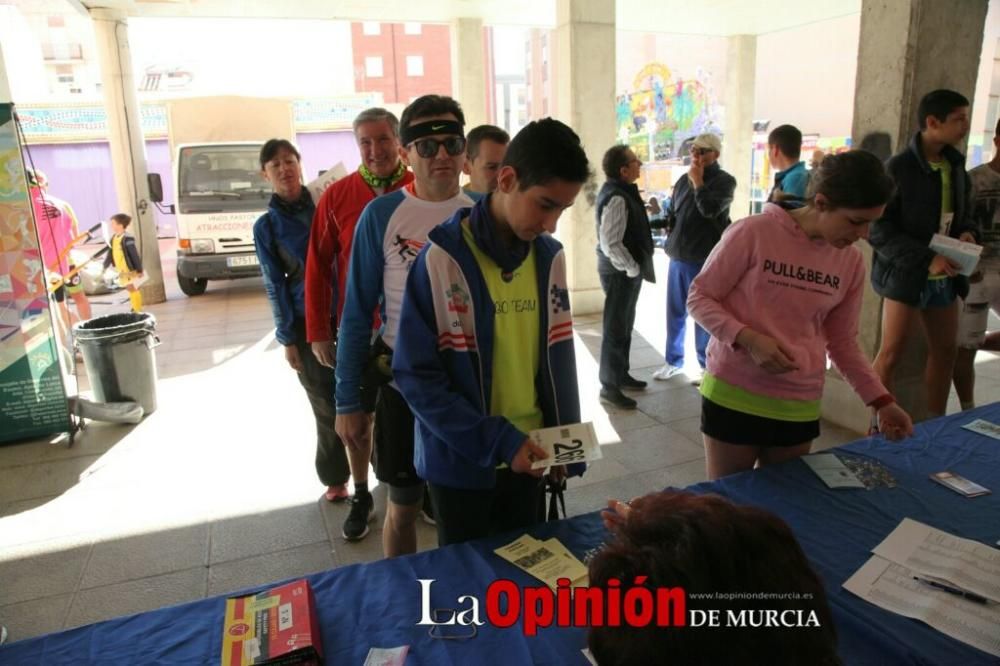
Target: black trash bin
x,y
118,354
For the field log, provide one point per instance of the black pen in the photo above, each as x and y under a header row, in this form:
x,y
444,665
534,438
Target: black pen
x,y
971,596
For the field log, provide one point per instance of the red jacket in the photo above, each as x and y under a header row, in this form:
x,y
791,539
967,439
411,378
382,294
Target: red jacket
x,y
337,214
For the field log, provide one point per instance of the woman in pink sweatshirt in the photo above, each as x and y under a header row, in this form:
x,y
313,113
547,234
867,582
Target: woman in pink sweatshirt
x,y
780,292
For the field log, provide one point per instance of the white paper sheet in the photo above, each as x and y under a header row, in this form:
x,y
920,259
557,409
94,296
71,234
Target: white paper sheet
x,y
984,428
317,186
892,587
832,471
567,444
966,255
965,564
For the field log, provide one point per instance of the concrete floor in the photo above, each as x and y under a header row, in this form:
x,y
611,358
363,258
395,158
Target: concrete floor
x,y
216,490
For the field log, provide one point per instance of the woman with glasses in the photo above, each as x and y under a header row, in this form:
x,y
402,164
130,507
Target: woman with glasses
x,y
389,234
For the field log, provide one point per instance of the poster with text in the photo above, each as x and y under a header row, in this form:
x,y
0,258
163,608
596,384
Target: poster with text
x,y
32,394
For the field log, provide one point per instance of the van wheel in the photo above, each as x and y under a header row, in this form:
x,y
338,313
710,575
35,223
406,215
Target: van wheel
x,y
192,286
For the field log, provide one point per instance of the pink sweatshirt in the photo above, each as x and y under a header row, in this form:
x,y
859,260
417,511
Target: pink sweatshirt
x,y
766,274
56,226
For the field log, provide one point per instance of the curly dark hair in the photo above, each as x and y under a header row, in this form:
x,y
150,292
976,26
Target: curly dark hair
x,y
706,544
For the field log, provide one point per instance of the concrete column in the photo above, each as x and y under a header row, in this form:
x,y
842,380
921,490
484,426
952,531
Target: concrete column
x,y
906,49
468,69
128,148
585,90
737,143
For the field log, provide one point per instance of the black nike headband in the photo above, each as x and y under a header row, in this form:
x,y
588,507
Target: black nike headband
x,y
410,134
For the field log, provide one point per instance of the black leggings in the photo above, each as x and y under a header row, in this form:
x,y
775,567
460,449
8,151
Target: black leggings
x,y
463,515
318,381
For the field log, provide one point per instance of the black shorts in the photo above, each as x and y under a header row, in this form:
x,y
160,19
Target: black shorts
x,y
393,440
733,427
72,286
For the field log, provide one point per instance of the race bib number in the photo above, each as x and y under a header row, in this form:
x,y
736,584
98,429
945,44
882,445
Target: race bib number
x,y
567,444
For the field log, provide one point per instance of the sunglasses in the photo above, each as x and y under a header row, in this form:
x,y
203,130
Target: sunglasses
x,y
700,151
453,145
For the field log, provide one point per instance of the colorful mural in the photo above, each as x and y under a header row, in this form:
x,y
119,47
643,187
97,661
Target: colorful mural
x,y
32,396
659,113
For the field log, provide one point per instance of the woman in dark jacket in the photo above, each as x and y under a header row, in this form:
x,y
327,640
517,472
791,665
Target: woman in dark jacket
x,y
281,237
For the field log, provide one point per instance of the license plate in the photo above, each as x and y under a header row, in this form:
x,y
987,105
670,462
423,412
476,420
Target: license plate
x,y
248,260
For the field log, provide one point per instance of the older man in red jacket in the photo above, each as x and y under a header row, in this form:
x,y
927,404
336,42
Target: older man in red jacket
x,y
377,133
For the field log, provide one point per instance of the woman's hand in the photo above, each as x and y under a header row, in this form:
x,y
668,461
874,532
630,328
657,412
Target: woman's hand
x,y
616,514
894,423
767,352
942,265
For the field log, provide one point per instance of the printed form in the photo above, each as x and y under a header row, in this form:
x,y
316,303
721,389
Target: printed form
x,y
889,580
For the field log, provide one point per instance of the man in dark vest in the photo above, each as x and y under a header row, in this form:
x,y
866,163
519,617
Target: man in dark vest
x,y
624,260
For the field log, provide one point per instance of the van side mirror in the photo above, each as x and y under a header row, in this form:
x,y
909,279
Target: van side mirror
x,y
155,187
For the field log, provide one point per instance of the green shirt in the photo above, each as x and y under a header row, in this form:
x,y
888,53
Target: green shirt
x,y
515,338
944,168
947,212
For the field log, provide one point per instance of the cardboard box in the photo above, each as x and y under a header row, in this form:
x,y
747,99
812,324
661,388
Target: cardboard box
x,y
277,626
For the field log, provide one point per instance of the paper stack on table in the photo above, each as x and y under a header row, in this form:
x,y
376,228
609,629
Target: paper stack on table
x,y
548,561
952,584
966,255
832,471
984,428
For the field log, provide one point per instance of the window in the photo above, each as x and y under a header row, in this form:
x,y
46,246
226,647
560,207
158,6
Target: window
x,y
371,28
64,73
414,65
373,66
411,28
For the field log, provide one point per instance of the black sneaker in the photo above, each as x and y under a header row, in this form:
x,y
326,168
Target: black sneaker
x,y
631,382
615,397
362,512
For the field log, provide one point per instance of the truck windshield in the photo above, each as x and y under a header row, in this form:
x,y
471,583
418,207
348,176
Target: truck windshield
x,y
221,178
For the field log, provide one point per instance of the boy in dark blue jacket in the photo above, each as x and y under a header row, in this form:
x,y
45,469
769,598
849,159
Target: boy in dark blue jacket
x,y
486,351
917,284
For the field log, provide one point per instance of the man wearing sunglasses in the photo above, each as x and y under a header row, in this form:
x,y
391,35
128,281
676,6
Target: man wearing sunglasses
x,y
696,218
389,234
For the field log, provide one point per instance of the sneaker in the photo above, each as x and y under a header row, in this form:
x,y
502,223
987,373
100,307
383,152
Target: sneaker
x,y
427,511
631,382
362,512
667,371
336,493
615,397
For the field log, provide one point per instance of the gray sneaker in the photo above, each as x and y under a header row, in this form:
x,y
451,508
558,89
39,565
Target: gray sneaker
x,y
362,512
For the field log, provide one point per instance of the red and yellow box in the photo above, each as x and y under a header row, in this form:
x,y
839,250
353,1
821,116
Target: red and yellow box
x,y
277,626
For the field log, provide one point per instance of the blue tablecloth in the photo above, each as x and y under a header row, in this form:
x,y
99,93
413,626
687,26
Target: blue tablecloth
x,y
378,604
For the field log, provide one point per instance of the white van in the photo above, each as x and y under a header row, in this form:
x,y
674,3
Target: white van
x,y
219,194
